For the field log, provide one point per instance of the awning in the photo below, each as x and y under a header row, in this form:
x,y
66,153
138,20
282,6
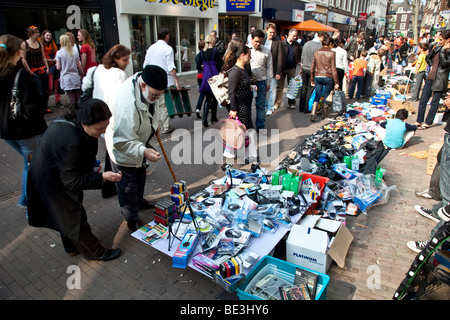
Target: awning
x,y
311,25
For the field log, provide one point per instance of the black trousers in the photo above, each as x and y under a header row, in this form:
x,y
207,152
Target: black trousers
x,y
307,89
130,190
87,244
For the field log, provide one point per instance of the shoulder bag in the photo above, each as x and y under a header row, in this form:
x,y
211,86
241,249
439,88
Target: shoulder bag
x,y
87,94
17,109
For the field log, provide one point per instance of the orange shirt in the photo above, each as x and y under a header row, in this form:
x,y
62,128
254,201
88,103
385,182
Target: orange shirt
x,y
358,67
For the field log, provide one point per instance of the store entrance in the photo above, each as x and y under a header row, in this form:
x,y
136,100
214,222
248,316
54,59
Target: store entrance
x,y
187,45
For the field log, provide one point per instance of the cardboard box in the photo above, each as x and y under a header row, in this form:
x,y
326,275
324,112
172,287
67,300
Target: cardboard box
x,y
403,88
396,105
432,156
315,242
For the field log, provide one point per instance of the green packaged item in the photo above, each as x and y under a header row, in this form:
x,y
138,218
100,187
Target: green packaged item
x,y
287,181
379,174
294,185
348,162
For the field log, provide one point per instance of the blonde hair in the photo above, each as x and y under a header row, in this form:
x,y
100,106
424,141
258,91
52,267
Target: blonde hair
x,y
65,42
209,39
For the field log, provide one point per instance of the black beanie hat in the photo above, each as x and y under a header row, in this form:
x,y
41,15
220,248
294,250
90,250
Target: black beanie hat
x,y
155,77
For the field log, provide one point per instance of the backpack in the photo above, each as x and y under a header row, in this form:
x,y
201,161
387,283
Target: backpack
x,y
209,70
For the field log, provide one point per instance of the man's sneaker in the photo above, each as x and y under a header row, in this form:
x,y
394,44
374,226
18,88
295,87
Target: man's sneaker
x,y
423,194
417,246
426,213
292,106
59,105
444,213
269,113
197,112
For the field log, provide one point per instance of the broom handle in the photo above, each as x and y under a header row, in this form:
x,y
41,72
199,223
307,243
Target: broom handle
x,y
165,157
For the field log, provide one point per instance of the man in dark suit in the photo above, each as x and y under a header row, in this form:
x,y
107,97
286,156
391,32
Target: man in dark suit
x,y
274,45
291,53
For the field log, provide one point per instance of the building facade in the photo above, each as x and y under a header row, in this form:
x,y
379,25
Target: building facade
x,y
98,17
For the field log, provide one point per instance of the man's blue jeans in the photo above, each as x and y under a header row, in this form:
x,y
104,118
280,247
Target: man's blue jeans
x,y
26,147
260,104
426,94
272,94
444,181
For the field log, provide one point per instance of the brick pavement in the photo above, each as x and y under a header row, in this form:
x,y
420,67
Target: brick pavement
x,y
33,265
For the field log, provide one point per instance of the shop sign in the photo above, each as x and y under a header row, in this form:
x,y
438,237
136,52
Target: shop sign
x,y
202,4
240,5
362,16
310,7
298,15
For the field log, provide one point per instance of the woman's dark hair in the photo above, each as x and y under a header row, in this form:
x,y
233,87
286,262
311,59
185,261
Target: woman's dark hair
x,y
242,49
116,52
9,46
93,111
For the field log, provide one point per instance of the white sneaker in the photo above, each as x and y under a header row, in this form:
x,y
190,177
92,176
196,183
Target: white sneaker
x,y
417,246
227,154
292,106
426,213
269,113
444,213
275,107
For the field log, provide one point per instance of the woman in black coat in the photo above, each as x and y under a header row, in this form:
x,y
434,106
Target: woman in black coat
x,y
436,81
23,132
67,156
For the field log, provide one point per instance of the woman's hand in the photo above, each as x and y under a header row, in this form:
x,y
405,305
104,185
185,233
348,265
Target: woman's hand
x,y
336,86
112,176
233,114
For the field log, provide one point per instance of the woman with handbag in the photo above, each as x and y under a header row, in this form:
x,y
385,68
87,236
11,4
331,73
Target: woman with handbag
x,y
323,75
68,63
104,81
35,62
211,60
50,50
22,125
241,96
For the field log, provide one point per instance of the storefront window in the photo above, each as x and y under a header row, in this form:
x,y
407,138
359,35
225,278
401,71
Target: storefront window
x,y
18,19
183,38
233,24
142,36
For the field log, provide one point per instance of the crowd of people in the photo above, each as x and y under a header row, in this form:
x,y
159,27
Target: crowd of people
x,y
130,112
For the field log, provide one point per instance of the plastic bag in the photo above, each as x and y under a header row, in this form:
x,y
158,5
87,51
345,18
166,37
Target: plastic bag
x,y
366,191
339,101
294,88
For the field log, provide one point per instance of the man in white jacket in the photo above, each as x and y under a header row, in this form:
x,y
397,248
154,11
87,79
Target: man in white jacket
x,y
135,121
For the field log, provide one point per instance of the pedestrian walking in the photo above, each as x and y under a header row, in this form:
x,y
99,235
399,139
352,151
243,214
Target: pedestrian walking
x,y
22,133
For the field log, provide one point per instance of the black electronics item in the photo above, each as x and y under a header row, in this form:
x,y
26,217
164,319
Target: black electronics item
x,y
208,202
233,206
233,233
293,210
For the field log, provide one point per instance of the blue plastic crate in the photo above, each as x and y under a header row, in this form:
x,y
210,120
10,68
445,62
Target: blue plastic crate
x,y
379,101
282,269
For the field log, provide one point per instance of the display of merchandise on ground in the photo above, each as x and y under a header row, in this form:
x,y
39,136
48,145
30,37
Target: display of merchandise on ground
x,y
228,230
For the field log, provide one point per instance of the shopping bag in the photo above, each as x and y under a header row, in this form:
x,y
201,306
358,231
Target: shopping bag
x,y
219,87
339,101
231,133
294,88
311,99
